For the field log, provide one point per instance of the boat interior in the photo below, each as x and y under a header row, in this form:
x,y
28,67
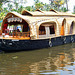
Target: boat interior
x,y
16,28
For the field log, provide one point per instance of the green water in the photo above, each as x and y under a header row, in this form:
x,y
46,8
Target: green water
x,y
59,60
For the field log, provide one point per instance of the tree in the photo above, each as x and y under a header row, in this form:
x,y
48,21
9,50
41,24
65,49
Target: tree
x,y
10,6
74,10
46,7
1,1
66,1
58,3
29,8
36,1
0,7
20,9
39,5
2,15
51,3
16,5
64,9
5,10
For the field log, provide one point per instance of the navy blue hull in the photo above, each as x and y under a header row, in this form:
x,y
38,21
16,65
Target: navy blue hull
x,y
18,45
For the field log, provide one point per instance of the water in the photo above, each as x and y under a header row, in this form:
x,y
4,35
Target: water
x,y
59,60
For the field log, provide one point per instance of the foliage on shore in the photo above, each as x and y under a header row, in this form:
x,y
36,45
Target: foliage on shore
x,y
19,5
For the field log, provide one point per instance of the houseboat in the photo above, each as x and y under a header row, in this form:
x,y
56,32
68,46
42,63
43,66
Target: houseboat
x,y
35,30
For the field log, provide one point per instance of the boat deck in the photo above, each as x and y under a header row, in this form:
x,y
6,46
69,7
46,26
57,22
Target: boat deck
x,y
15,38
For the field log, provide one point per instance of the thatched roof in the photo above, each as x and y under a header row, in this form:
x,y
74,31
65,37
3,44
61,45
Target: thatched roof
x,y
29,13
39,15
47,13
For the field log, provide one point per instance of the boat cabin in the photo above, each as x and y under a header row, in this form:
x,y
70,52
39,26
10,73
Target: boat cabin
x,y
37,25
15,27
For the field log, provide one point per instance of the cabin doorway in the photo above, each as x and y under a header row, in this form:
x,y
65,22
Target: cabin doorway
x,y
62,32
72,28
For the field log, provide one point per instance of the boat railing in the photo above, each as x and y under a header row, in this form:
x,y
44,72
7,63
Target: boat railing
x,y
21,34
14,33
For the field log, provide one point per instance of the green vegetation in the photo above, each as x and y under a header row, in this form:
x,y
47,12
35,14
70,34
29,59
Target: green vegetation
x,y
18,6
0,24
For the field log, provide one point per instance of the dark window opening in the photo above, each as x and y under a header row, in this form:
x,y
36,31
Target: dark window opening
x,y
71,28
42,30
25,28
52,30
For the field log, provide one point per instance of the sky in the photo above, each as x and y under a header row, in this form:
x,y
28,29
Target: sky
x,y
71,3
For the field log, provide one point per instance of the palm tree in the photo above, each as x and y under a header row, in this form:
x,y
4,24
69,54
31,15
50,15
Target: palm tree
x,y
51,3
16,5
20,9
10,6
58,3
66,1
46,7
74,10
39,5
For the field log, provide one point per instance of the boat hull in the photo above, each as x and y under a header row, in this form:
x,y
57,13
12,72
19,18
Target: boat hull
x,y
18,45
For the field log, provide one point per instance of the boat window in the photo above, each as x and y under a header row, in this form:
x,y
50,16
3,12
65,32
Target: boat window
x,y
52,29
72,28
42,30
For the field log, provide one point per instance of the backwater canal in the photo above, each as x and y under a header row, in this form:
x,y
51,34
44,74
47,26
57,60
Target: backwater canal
x,y
59,60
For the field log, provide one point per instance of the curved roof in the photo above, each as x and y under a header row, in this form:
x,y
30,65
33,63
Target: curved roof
x,y
46,13
34,17
29,13
17,15
53,10
38,15
62,13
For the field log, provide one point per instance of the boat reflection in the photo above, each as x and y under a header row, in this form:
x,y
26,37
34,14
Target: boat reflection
x,y
56,64
58,60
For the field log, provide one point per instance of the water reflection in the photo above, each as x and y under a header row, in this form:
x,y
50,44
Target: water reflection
x,y
58,60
